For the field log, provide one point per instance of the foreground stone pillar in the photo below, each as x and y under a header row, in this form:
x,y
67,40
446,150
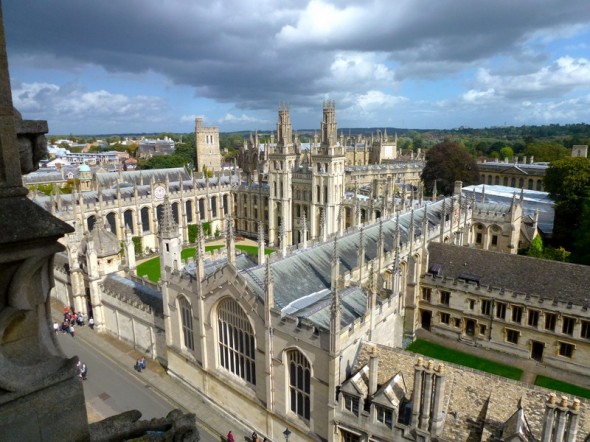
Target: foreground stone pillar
x,y
41,395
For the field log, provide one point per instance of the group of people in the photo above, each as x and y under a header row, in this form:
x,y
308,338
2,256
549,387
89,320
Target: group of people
x,y
254,437
71,319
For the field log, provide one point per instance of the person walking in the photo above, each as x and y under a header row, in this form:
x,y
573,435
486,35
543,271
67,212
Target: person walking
x,y
230,437
83,371
55,327
91,323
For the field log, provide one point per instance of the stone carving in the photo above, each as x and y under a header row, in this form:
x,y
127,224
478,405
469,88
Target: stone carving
x,y
32,143
176,426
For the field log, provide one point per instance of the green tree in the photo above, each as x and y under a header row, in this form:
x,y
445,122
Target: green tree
x,y
446,163
163,162
507,152
568,183
536,248
546,151
581,237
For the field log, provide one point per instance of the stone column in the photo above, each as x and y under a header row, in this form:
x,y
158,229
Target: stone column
x,y
562,411
35,375
572,429
417,393
549,417
439,391
427,397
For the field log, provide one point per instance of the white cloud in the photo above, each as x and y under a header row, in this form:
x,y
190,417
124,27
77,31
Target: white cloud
x,y
190,118
562,76
231,118
375,100
73,102
322,23
473,96
573,110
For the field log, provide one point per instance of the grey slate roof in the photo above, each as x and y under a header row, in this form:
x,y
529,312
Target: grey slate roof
x,y
135,292
546,279
107,179
302,279
110,194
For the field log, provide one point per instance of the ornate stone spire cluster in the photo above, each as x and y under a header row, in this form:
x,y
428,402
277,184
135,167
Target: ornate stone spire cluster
x,y
168,228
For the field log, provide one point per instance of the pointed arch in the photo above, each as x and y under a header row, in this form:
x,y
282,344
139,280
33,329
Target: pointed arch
x,y
299,379
237,345
185,312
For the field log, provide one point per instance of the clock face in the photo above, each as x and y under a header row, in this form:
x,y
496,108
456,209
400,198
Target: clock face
x,y
159,192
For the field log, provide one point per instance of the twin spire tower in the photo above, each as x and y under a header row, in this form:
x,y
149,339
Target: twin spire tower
x,y
309,189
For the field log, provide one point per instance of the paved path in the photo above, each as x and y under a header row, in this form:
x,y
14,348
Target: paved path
x,y
210,417
110,390
530,367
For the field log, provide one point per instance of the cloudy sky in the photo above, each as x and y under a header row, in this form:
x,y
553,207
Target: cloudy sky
x,y
120,66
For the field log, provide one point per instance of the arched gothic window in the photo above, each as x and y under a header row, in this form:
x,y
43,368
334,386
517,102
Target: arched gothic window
x,y
237,347
299,384
186,319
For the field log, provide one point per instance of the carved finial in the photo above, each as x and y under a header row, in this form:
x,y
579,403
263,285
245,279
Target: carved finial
x,y
167,225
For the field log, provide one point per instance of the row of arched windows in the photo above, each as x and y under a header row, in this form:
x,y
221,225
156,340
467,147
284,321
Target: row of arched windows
x,y
521,183
237,352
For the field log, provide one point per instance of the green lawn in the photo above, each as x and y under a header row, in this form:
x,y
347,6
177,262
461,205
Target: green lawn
x,y
151,268
564,387
253,250
460,358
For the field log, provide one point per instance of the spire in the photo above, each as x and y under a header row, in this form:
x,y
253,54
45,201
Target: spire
x,y
304,230
396,244
269,286
443,216
380,241
200,252
335,272
323,225
129,250
425,228
261,255
230,240
339,220
361,253
167,226
335,313
372,284
282,239
483,194
411,229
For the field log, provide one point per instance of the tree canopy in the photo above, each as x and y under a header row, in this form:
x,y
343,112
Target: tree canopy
x,y
568,178
446,163
568,183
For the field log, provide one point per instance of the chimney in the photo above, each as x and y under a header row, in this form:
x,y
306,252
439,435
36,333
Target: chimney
x,y
373,371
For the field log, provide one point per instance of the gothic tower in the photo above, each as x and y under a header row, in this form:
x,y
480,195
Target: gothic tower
x,y
207,146
170,241
327,163
282,159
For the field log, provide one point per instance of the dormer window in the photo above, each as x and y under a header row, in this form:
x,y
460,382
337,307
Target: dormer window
x,y
351,403
385,416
